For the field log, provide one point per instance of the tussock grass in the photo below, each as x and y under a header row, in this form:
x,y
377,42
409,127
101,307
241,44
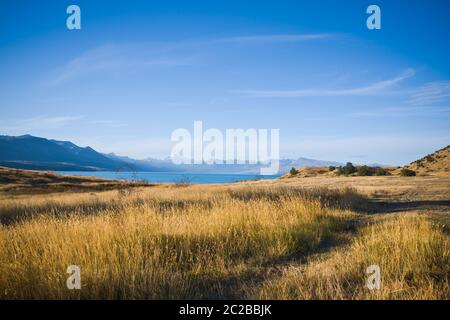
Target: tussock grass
x,y
344,198
413,254
167,243
200,242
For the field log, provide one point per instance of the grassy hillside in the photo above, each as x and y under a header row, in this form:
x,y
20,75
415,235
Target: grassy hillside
x,y
435,163
16,181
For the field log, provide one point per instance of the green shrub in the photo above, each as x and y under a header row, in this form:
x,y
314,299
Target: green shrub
x,y
381,172
365,171
407,172
293,171
349,168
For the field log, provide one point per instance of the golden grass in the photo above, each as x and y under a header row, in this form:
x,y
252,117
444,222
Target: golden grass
x,y
392,187
178,243
413,254
435,163
201,242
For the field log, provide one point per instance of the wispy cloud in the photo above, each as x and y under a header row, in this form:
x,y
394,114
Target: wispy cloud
x,y
36,123
380,87
141,55
401,112
431,93
274,38
115,57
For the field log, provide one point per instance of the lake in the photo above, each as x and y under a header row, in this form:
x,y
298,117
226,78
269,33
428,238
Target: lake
x,y
195,178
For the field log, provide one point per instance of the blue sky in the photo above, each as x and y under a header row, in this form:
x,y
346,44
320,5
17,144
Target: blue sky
x,y
136,71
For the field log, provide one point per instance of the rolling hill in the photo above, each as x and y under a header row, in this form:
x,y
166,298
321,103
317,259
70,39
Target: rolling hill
x,y
19,181
435,163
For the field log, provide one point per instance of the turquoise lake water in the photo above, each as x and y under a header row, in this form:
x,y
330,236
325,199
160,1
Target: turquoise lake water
x,y
195,178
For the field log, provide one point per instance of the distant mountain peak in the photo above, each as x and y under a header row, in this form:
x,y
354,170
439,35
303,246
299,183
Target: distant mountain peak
x,y
29,152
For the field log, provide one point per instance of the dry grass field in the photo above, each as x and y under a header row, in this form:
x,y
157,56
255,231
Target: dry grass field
x,y
309,238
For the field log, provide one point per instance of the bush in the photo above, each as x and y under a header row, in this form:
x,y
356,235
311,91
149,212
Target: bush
x,y
293,171
381,172
349,168
331,168
365,171
407,172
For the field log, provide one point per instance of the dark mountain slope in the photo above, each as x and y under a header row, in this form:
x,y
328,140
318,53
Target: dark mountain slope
x,y
29,152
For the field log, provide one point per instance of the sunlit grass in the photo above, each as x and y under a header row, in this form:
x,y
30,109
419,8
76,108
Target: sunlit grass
x,y
412,253
197,245
213,242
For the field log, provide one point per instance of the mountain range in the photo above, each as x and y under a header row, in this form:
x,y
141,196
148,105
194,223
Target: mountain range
x,y
36,153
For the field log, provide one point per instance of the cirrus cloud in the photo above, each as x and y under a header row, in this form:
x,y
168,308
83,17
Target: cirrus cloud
x,y
376,88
